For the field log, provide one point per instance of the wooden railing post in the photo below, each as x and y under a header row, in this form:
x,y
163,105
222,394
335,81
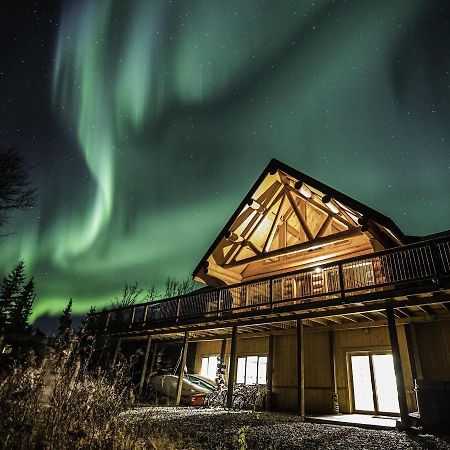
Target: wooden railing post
x,y
437,262
144,319
341,281
271,293
133,314
177,312
107,321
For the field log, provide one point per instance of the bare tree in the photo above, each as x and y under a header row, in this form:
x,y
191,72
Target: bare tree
x,y
15,184
152,294
176,287
131,294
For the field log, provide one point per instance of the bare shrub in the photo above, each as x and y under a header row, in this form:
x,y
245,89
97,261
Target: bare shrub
x,y
62,404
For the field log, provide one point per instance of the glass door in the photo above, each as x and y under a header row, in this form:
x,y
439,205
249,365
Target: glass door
x,y
362,383
385,383
374,384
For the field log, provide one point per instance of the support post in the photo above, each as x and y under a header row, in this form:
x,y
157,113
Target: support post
x,y
155,352
144,367
269,374
300,369
182,365
223,350
404,416
116,352
334,393
232,368
413,350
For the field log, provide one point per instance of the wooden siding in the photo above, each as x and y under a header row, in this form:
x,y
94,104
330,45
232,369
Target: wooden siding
x,y
433,341
284,374
373,339
245,347
433,348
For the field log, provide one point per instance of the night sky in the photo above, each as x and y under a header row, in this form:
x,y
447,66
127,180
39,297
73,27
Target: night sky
x,y
148,121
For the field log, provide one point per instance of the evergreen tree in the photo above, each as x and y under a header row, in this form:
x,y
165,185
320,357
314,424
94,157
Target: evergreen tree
x,y
9,292
21,309
84,326
65,321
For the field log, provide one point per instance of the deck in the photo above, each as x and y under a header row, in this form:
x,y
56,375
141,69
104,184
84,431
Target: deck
x,y
404,277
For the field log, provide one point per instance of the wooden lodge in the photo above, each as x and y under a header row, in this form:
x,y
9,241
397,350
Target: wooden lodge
x,y
316,296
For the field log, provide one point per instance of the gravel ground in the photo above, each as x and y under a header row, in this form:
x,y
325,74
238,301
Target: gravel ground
x,y
218,429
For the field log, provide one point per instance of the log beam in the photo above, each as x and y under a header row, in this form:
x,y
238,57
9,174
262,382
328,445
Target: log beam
x,y
324,227
326,240
323,208
273,228
300,218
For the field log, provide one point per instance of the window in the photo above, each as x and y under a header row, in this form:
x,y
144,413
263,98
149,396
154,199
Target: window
x,y
252,370
209,367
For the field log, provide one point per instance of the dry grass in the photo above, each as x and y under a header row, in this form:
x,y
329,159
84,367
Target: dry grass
x,y
60,404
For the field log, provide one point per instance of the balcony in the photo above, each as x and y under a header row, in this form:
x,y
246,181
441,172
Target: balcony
x,y
420,267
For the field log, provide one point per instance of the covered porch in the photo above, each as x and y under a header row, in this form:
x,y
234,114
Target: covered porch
x,y
309,353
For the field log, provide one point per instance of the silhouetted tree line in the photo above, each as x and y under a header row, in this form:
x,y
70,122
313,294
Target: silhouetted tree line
x,y
16,301
132,294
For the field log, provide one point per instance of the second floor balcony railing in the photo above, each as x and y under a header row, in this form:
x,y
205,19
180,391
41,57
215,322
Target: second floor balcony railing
x,y
421,264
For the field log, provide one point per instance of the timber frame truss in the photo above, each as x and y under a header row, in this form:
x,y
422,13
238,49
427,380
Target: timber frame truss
x,y
291,220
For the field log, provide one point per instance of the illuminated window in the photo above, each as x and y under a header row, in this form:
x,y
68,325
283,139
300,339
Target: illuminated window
x,y
252,370
209,367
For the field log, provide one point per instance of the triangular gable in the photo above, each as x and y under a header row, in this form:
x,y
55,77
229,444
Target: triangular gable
x,y
287,221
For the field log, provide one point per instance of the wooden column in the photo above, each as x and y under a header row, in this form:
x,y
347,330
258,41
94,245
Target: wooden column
x,y
222,351
155,352
182,365
269,374
300,369
404,416
413,351
334,392
144,367
232,368
116,352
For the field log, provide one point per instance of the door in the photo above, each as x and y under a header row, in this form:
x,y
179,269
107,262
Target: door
x,y
374,384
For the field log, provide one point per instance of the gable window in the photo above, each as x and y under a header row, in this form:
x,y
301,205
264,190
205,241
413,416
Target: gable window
x,y
252,370
209,367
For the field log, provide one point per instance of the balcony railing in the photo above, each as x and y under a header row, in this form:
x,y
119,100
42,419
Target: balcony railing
x,y
423,263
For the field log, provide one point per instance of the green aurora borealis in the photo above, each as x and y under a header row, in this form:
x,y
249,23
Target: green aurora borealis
x,y
171,109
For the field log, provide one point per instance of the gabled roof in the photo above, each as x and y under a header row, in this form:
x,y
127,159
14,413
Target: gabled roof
x,y
336,214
